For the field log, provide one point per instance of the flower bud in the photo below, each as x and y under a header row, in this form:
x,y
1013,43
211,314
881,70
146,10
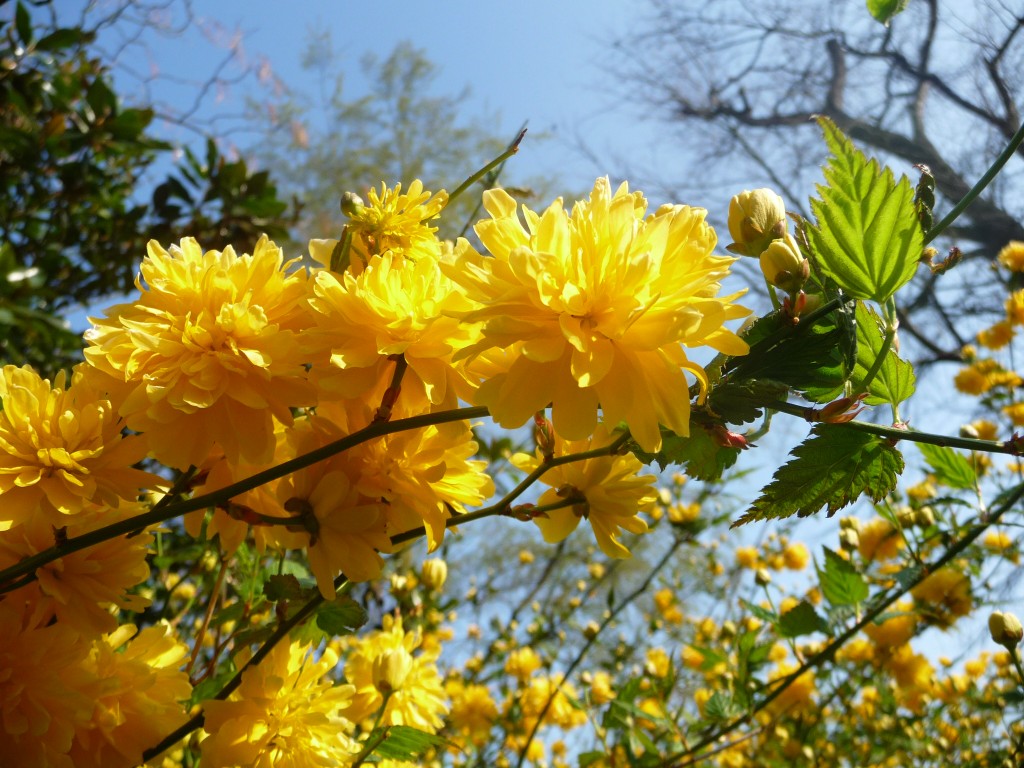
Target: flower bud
x,y
352,204
784,266
1005,629
390,670
434,573
755,219
762,577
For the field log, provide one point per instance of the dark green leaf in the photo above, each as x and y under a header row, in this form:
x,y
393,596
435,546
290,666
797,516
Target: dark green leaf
x,y
949,467
23,23
720,707
840,583
830,470
703,458
341,616
885,10
63,38
895,380
800,620
283,587
867,238
403,742
740,402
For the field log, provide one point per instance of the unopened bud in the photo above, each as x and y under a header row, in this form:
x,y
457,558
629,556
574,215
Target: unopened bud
x,y
390,670
784,266
755,219
924,517
762,577
849,539
351,204
434,573
1005,629
591,630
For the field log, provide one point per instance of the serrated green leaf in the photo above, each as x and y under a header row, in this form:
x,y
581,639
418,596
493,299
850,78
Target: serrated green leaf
x,y
761,613
703,458
403,742
867,237
829,470
720,707
884,10
801,619
949,467
586,759
814,359
741,402
341,616
840,583
895,380
283,587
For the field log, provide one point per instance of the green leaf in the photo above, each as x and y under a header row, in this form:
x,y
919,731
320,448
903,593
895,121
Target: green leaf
x,y
703,457
840,582
813,359
342,616
831,470
741,402
283,587
23,23
800,620
895,380
868,238
403,742
720,707
885,10
761,613
949,467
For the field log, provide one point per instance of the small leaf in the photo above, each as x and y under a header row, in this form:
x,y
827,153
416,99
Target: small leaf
x,y
403,742
283,587
23,23
885,10
761,613
703,458
840,582
895,380
867,238
831,469
342,616
720,707
800,620
949,467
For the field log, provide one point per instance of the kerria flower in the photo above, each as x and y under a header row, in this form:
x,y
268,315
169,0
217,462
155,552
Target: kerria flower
x,y
606,490
392,221
355,501
61,448
79,589
394,307
597,305
209,352
387,662
139,696
287,713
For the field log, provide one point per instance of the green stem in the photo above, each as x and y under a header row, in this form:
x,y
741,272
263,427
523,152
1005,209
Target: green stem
x,y
895,433
512,149
159,515
977,189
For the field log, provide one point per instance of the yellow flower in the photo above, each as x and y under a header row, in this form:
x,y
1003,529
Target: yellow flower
x,y
1015,412
287,713
61,448
666,604
474,711
796,556
783,265
999,542
392,221
595,307
394,307
985,429
79,589
139,699
914,674
895,631
797,696
996,337
879,540
1015,308
658,662
418,701
601,691
606,490
522,663
1012,256
946,594
748,557
554,694
209,351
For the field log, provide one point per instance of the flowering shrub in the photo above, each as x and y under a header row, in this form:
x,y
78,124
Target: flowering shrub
x,y
253,448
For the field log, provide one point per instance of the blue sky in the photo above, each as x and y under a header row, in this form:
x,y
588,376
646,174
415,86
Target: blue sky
x,y
548,63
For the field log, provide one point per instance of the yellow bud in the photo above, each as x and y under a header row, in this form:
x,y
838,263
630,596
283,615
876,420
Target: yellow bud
x,y
762,577
784,266
434,573
755,219
1005,629
390,670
